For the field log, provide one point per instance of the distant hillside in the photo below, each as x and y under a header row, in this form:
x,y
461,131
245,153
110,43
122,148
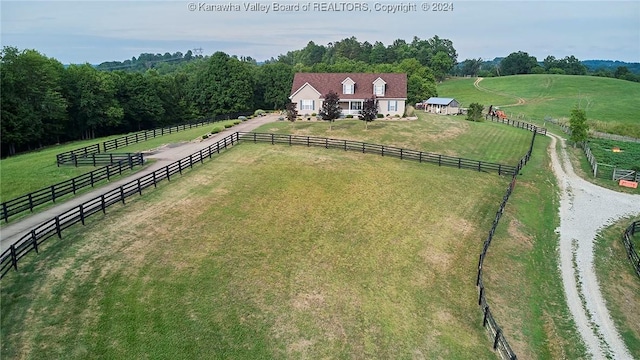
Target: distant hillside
x,y
594,65
610,103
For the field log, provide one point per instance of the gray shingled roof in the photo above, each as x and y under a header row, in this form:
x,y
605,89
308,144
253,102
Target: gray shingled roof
x,y
439,101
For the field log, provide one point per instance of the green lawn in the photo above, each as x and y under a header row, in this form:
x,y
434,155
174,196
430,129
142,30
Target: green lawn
x,y
266,252
292,252
448,135
609,103
619,283
25,173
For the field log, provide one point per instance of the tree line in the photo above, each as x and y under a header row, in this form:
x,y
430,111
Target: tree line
x,y
44,102
521,62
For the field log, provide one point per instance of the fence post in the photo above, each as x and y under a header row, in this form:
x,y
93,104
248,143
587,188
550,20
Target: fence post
x,y
400,154
485,315
14,259
34,240
155,183
30,203
167,169
53,193
420,157
481,295
91,176
139,188
495,341
191,161
382,150
58,230
122,193
272,135
6,214
102,204
82,213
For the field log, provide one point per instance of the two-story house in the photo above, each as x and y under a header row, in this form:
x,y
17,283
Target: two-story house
x,y
390,89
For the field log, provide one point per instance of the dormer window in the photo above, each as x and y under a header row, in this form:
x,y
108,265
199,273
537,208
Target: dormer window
x,y
379,86
348,86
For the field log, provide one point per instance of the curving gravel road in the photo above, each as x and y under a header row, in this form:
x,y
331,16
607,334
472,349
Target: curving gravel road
x,y
585,209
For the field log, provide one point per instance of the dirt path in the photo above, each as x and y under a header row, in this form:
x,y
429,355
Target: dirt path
x,y
521,101
164,156
584,210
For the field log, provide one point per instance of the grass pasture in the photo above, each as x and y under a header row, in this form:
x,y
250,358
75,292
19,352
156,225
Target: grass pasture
x,y
627,158
620,285
447,135
266,252
293,252
609,103
28,172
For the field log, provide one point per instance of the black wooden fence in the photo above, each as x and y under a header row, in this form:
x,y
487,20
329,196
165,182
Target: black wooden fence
x,y
29,201
500,343
53,227
632,253
102,159
69,156
518,124
403,154
127,140
114,144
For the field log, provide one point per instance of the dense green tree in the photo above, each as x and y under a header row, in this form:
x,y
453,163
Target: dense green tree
x,y
273,81
223,85
517,63
369,111
419,89
441,65
578,126
330,109
471,67
93,106
33,108
474,112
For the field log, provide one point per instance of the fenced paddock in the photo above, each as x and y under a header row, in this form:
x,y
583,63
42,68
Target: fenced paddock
x,y
51,193
606,171
632,253
54,227
99,159
383,150
518,124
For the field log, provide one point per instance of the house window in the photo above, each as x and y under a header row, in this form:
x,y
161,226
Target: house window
x,y
356,106
307,105
347,88
378,89
392,105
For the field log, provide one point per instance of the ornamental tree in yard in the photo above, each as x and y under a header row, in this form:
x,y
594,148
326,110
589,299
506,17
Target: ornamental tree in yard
x,y
369,111
292,112
330,110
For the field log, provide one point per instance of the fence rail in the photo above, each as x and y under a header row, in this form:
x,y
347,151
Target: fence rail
x,y
53,227
51,193
606,171
518,124
68,156
383,150
140,136
632,253
102,159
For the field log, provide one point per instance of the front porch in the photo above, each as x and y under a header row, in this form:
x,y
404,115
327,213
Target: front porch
x,y
351,107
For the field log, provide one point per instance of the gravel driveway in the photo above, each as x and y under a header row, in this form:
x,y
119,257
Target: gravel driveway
x,y
585,209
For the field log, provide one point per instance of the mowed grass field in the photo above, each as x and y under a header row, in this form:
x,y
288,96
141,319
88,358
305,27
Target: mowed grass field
x,y
619,282
447,135
294,252
28,172
266,252
609,103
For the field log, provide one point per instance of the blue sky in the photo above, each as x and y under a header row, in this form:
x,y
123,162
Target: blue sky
x,y
97,31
